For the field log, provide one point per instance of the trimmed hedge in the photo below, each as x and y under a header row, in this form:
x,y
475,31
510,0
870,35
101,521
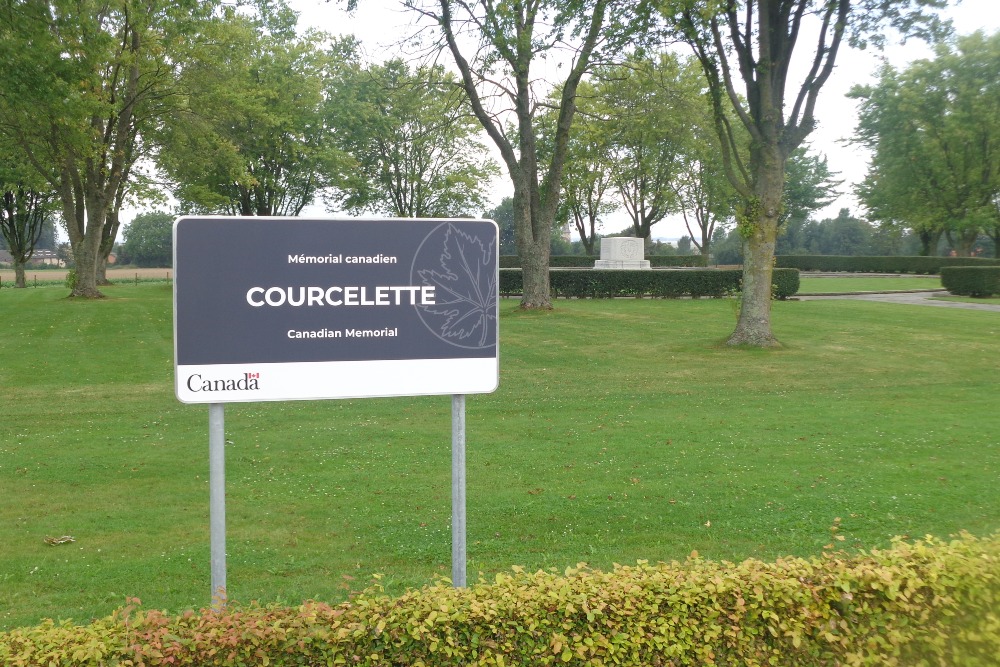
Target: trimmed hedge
x,y
609,284
928,265
925,603
980,281
587,261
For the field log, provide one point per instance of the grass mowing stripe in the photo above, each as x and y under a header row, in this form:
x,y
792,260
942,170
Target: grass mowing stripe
x,y
621,430
837,284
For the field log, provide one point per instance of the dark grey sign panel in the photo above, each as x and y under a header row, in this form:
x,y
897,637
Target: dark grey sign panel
x,y
253,293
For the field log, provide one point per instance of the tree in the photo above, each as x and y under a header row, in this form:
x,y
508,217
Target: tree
x,y
648,107
587,180
80,80
253,137
503,215
755,40
24,210
494,46
809,186
707,200
934,133
149,240
414,142
584,193
993,230
843,235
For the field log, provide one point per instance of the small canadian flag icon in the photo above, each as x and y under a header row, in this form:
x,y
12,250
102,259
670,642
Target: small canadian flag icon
x,y
252,376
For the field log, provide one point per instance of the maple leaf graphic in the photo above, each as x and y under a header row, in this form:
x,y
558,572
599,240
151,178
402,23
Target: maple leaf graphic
x,y
465,288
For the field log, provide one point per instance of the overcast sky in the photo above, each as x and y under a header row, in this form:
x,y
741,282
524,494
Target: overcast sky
x,y
381,24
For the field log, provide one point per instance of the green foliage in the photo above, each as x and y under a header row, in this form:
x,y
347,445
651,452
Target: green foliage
x,y
748,216
978,281
933,131
878,264
26,203
149,240
648,108
253,135
809,186
503,215
928,600
785,282
413,141
86,87
843,235
605,284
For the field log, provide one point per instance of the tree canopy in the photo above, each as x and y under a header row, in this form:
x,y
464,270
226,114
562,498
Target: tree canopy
x,y
149,240
934,133
81,80
414,145
26,202
253,135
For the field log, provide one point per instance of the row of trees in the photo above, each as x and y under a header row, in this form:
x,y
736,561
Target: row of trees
x,y
242,114
229,110
745,49
845,234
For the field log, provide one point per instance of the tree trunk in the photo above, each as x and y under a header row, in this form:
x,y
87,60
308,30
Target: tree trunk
x,y
760,231
101,272
84,216
929,242
963,244
85,254
108,236
754,325
19,280
534,254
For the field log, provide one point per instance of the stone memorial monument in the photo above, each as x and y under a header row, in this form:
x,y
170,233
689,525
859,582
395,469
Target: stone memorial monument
x,y
622,252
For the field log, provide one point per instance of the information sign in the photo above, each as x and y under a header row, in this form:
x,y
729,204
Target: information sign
x,y
269,309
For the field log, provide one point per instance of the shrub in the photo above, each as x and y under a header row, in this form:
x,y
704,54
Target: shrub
x,y
979,281
786,282
595,284
922,603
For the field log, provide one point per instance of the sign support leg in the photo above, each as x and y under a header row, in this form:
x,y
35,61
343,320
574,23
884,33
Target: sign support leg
x,y
458,546
217,501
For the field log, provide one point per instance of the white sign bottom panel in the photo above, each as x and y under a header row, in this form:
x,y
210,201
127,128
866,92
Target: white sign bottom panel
x,y
230,383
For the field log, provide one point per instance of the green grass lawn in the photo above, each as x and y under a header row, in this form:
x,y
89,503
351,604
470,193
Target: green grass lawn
x,y
812,285
622,430
989,301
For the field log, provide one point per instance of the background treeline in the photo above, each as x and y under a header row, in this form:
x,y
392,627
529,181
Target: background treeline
x,y
204,107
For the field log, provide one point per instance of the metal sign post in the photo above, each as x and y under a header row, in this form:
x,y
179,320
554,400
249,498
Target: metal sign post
x,y
458,545
217,501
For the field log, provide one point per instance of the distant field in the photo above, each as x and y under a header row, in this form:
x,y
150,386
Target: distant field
x,y
622,430
59,275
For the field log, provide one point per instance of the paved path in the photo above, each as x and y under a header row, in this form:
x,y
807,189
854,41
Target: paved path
x,y
911,298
